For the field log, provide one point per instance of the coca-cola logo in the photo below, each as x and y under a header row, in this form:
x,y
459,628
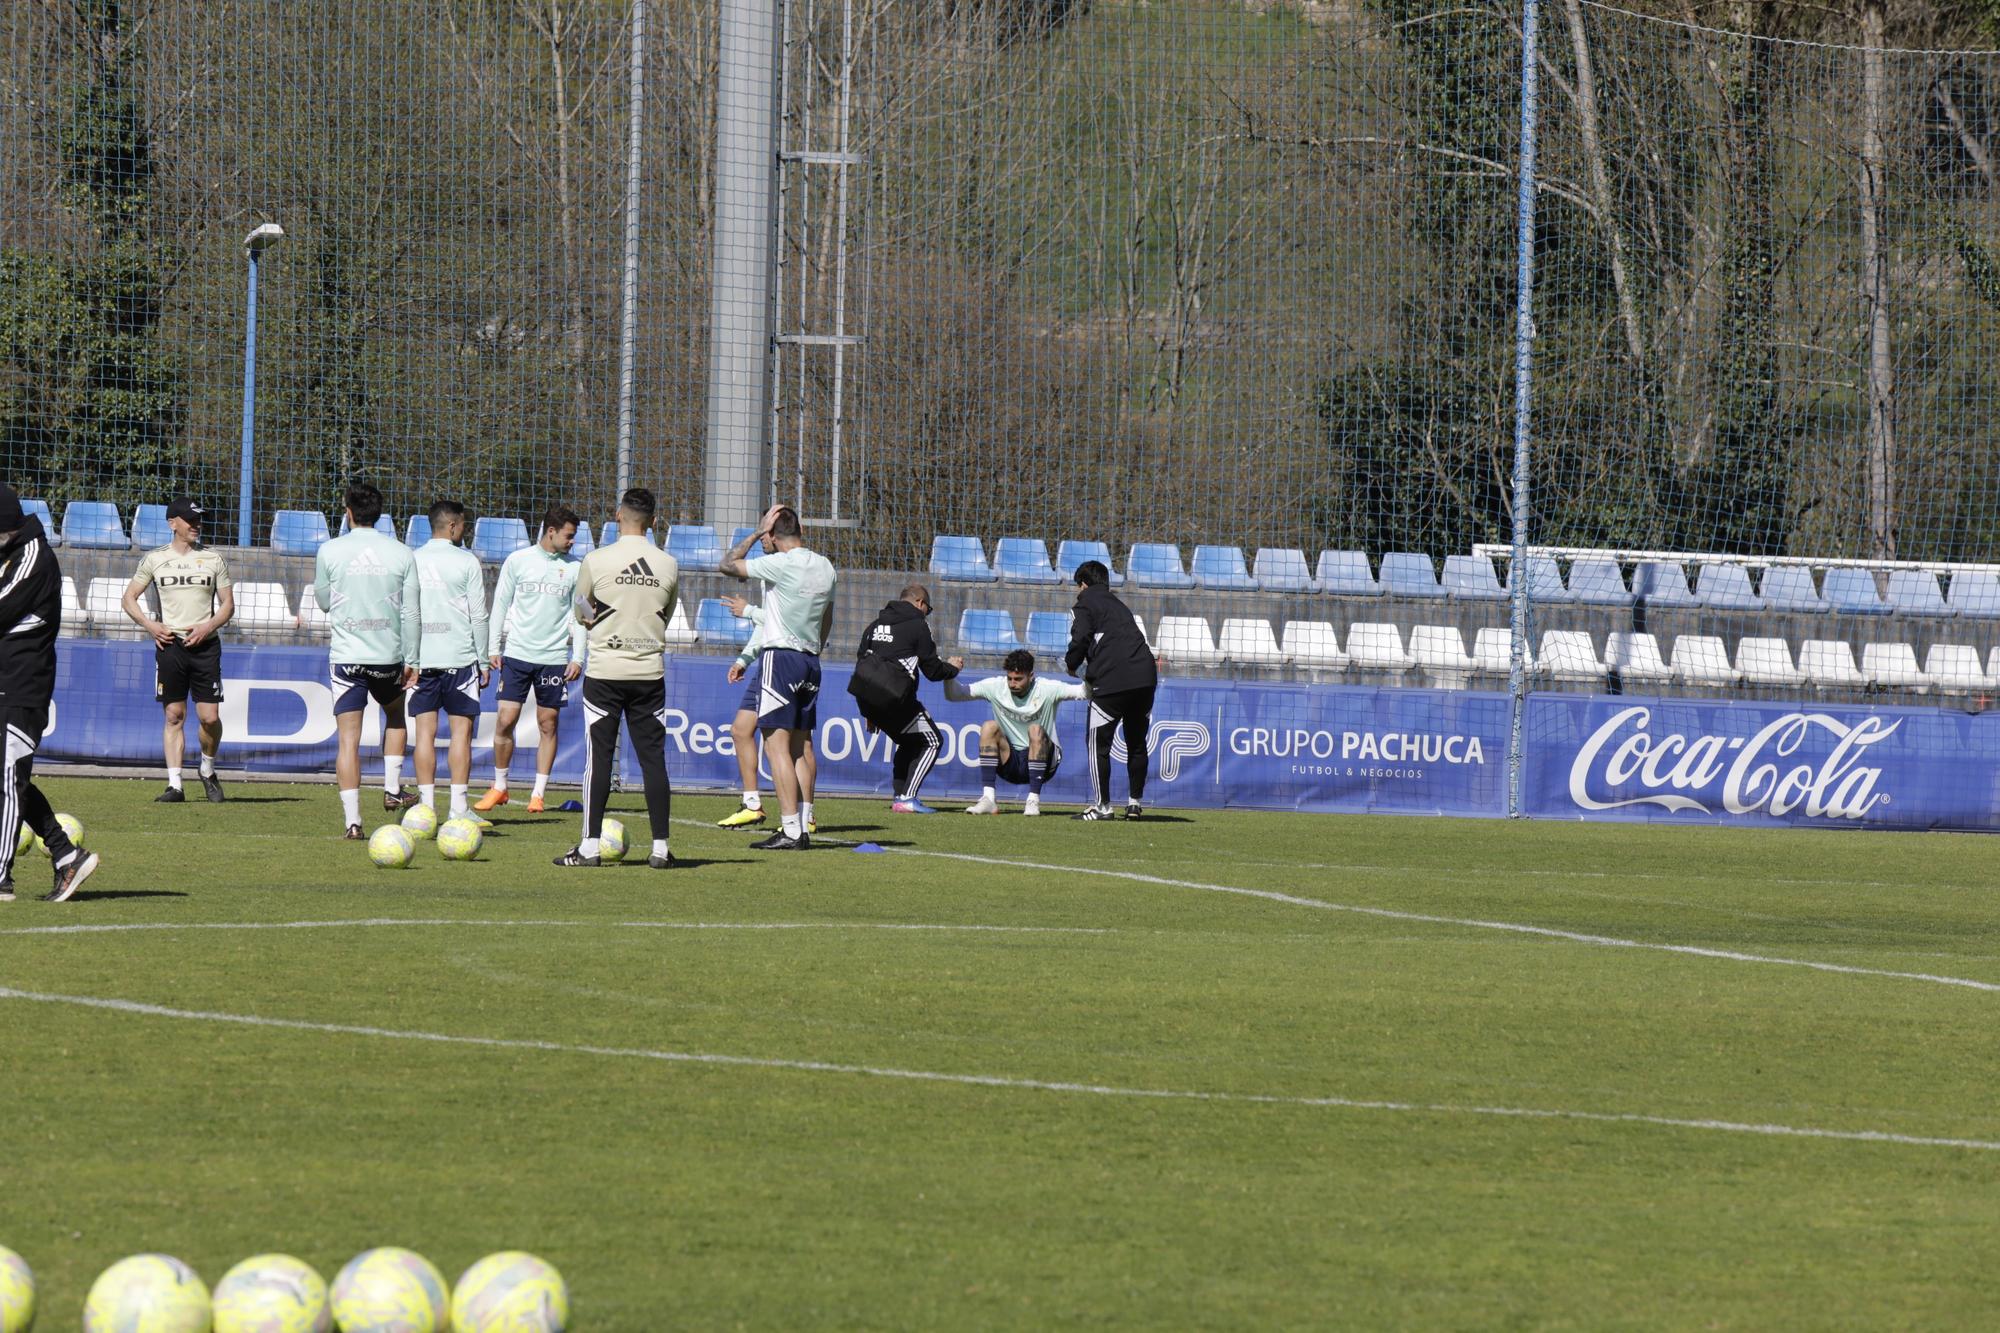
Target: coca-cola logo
x,y
1755,772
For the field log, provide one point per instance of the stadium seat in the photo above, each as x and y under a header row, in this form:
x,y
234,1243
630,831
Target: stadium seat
x,y
1851,592
383,524
1346,574
1282,570
1048,633
1767,661
585,543
1375,647
714,624
960,560
1311,643
1409,574
1470,578
1660,583
1568,654
694,546
149,527
679,633
1222,568
1024,560
1975,592
1702,660
1070,553
494,539
94,525
1790,588
263,607
1955,668
1829,664
103,603
1598,582
73,614
1635,658
1249,640
40,509
417,531
311,619
299,531
1156,565
735,538
609,534
1440,651
987,631
1186,640
1893,666
1726,588
1492,652
1545,580
1914,592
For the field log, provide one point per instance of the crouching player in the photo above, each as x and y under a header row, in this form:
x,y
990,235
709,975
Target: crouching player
x,y
1018,742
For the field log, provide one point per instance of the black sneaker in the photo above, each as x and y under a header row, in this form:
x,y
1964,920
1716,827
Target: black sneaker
x,y
778,842
354,833
666,862
400,799
1133,810
6,890
212,785
70,878
171,796
1093,812
575,857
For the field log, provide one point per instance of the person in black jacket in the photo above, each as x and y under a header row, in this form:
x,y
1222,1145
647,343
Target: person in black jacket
x,y
1113,657
902,635
30,616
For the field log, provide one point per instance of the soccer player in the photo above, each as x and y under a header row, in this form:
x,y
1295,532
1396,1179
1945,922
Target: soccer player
x,y
451,654
30,617
366,582
625,592
1018,743
902,634
745,671
798,615
537,644
196,601
1105,643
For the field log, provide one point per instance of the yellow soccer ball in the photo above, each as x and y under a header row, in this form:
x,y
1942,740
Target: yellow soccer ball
x,y
420,821
70,825
459,839
148,1293
611,840
390,1291
17,1293
510,1292
272,1293
25,841
390,847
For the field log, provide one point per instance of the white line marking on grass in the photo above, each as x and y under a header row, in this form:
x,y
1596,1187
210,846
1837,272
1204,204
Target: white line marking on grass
x,y
376,921
998,1080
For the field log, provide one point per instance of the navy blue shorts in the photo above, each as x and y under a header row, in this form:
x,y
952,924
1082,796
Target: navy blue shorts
x,y
789,697
518,677
753,685
1014,768
354,686
454,689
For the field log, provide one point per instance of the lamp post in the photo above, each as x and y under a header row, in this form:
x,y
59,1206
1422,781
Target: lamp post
x,y
253,246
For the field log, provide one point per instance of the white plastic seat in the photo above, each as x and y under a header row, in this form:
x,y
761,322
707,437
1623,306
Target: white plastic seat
x,y
1440,650
1762,661
1568,654
1829,664
263,606
1635,656
311,619
1701,659
103,602
73,615
1311,643
680,631
1894,666
1955,666
1493,652
1377,647
1187,640
1250,641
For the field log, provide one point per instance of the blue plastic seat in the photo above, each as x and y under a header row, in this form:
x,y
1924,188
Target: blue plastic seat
x,y
494,539
714,624
1975,592
383,524
417,531
585,542
1914,592
299,531
1281,570
40,509
1661,583
1024,560
1790,588
1598,582
736,539
1346,574
1470,578
1156,565
1410,574
694,546
1545,580
987,631
960,560
1727,587
1070,553
149,527
95,525
1048,633
1221,567
1851,592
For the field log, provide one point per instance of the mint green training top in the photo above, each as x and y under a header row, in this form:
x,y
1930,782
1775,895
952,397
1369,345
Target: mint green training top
x,y
531,609
366,582
454,606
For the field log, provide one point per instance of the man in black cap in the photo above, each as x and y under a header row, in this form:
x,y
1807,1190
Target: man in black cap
x,y
30,615
196,601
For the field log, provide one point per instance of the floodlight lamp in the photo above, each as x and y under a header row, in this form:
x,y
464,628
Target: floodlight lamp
x,y
265,233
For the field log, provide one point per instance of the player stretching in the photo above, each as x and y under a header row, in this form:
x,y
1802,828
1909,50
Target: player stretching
x,y
195,602
451,653
624,594
1106,645
366,582
747,672
798,614
537,644
1018,743
901,635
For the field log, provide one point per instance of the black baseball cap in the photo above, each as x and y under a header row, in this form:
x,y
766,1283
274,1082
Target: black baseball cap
x,y
10,509
185,508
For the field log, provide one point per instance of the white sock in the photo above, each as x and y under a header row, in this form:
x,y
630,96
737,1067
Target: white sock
x,y
790,824
392,773
208,765
174,778
987,794
806,811
499,779
659,846
427,793
588,847
458,800
350,804
753,800
541,784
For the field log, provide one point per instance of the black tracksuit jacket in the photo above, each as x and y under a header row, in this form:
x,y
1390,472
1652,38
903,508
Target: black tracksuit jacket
x,y
30,617
1103,634
903,634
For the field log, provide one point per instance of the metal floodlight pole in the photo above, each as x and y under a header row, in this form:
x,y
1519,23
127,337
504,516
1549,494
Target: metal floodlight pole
x,y
1524,396
628,324
253,247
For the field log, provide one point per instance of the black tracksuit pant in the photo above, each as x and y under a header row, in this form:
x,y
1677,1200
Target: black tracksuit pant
x,y
639,704
1130,711
21,801
917,746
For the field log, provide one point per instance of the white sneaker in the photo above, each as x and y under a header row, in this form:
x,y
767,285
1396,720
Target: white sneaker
x,y
985,805
1033,805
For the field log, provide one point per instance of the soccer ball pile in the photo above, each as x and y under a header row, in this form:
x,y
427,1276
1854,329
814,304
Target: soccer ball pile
x,y
387,1290
29,838
394,846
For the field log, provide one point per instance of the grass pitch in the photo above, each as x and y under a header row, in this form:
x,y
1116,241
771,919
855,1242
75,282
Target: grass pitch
x,y
800,1173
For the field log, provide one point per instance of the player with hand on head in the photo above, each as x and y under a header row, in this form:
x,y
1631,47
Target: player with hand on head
x,y
1115,660
196,601
900,637
1018,743
537,645
746,671
451,654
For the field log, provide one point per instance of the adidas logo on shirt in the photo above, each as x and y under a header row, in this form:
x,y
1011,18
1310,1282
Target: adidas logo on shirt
x,y
638,572
366,563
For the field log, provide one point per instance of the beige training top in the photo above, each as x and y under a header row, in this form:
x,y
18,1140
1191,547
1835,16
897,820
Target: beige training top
x,y
189,584
625,592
